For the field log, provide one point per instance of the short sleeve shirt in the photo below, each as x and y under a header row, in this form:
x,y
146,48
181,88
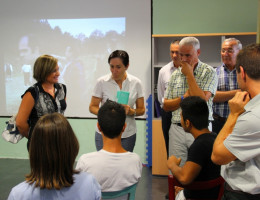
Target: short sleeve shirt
x,y
106,88
205,77
243,174
200,153
114,171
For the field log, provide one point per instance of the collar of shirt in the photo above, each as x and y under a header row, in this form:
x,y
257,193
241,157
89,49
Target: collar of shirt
x,y
56,86
252,103
227,70
109,78
196,68
172,66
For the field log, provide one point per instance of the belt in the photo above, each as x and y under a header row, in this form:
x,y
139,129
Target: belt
x,y
228,188
221,119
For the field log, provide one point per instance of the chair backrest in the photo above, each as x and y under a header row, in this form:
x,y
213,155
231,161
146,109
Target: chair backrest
x,y
125,194
197,185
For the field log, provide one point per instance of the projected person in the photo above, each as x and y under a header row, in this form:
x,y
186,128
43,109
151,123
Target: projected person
x,y
53,150
74,77
26,69
107,87
45,96
8,71
28,51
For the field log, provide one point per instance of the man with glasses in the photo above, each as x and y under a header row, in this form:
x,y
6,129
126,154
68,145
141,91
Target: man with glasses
x,y
227,82
237,146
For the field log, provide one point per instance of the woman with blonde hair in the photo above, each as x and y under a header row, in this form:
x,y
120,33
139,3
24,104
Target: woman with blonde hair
x,y
46,96
53,150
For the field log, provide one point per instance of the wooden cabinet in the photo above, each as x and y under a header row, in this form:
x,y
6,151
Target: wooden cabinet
x,y
210,45
159,156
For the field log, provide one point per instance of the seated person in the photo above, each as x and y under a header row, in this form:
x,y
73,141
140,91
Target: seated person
x,y
113,166
52,152
198,167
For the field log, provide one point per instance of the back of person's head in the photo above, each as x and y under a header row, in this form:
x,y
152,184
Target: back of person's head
x,y
123,55
195,109
190,41
238,43
249,59
53,150
111,119
44,66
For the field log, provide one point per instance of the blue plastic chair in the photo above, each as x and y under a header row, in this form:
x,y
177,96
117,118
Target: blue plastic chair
x,y
125,194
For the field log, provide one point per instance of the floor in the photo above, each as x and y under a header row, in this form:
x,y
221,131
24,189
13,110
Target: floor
x,y
12,172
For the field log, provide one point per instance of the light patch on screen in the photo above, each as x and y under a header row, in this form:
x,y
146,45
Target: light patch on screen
x,y
82,47
87,26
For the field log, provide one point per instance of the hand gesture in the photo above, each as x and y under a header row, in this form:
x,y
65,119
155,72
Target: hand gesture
x,y
187,93
173,161
186,69
127,108
177,190
238,102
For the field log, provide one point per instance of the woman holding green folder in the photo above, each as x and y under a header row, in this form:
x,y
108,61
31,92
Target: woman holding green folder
x,y
124,88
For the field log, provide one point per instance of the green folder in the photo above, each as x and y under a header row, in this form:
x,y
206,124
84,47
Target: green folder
x,y
122,97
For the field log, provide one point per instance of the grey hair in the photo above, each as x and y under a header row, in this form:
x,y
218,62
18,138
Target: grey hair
x,y
239,45
190,41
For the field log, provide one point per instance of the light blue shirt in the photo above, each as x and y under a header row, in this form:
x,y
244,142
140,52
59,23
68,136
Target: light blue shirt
x,y
85,187
243,174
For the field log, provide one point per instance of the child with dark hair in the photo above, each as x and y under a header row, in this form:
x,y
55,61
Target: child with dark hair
x,y
113,166
198,167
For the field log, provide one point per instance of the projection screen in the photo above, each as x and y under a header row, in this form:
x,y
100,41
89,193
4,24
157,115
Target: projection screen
x,y
81,34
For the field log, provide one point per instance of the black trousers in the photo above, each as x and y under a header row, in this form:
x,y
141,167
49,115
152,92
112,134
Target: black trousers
x,y
230,195
166,124
217,125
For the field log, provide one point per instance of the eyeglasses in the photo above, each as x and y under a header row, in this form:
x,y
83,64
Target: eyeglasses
x,y
228,50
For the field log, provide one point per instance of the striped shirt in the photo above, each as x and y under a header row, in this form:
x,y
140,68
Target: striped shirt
x,y
227,80
206,78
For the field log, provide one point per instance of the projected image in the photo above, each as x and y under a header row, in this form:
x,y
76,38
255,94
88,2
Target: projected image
x,y
82,47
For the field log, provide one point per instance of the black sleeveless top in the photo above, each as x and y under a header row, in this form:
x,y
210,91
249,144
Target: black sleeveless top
x,y
45,103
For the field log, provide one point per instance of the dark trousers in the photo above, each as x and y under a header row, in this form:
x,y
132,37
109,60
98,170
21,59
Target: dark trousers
x,y
230,195
166,124
217,125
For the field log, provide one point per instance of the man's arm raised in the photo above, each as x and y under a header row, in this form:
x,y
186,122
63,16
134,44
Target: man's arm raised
x,y
220,154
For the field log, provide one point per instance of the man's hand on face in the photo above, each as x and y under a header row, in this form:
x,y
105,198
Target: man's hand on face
x,y
187,69
238,102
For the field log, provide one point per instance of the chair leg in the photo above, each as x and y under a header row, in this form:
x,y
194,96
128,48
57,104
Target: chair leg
x,y
171,188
